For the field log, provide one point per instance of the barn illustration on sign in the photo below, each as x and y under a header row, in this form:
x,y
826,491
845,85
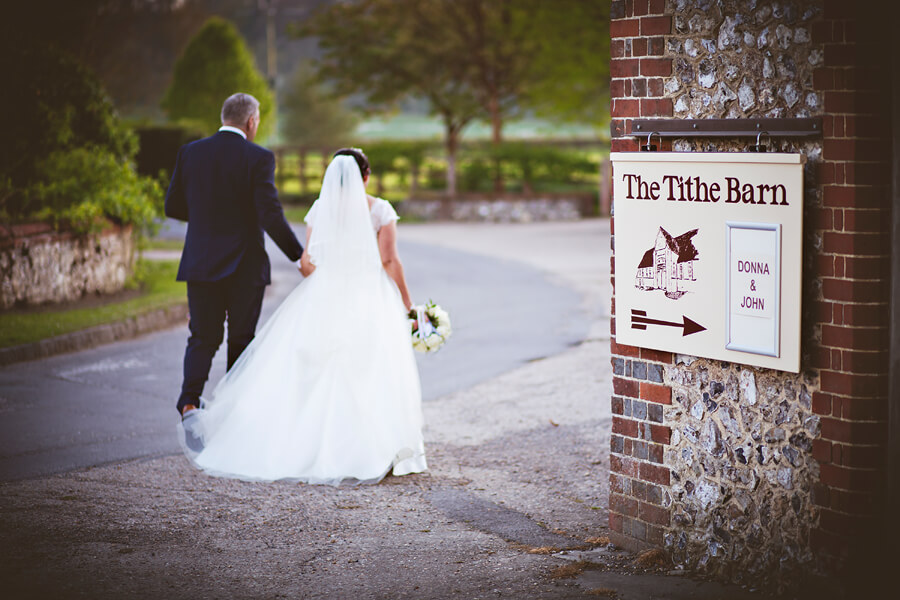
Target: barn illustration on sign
x,y
669,264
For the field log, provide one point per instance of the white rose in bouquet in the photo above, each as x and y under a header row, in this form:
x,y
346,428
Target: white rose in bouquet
x,y
430,326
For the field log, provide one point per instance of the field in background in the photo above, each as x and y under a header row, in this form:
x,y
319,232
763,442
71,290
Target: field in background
x,y
421,127
538,157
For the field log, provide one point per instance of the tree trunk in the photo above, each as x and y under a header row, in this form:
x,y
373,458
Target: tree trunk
x,y
496,121
413,180
496,139
301,157
279,168
452,142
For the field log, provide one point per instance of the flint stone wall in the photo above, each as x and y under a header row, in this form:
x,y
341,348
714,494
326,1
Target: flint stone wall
x,y
39,265
499,210
743,471
741,449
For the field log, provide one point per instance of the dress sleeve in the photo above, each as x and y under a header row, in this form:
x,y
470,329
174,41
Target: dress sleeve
x,y
311,213
386,213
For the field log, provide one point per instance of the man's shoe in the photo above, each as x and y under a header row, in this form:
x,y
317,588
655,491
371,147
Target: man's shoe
x,y
189,423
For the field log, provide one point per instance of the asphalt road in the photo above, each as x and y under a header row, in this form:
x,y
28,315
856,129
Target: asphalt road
x,y
116,402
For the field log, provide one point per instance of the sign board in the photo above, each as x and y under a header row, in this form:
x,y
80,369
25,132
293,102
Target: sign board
x,y
708,254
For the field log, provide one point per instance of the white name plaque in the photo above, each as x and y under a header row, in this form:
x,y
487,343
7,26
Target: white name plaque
x,y
753,254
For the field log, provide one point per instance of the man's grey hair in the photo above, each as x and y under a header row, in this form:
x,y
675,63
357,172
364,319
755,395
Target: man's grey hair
x,y
238,108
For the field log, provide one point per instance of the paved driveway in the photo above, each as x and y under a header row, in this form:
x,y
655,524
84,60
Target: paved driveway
x,y
116,402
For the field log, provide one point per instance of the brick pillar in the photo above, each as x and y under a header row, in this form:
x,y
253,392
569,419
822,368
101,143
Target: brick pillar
x,y
790,478
638,513
854,265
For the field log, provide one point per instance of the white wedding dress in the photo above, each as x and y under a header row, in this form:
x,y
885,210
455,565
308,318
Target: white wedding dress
x,y
328,391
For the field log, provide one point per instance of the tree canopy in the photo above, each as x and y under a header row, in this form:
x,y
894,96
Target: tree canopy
x,y
216,64
312,115
388,49
490,59
572,64
131,46
67,158
57,105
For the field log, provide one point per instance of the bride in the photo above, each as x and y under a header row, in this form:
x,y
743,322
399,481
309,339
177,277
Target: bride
x,y
328,391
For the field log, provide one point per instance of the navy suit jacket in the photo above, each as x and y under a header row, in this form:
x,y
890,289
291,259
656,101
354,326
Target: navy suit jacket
x,y
224,187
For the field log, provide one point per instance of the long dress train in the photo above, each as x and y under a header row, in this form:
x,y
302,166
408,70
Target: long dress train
x,y
328,391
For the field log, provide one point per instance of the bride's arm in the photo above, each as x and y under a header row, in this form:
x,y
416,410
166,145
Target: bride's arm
x,y
306,267
387,246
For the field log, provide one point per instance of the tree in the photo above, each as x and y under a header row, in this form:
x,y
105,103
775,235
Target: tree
x,y
388,49
312,115
57,105
573,61
68,159
469,58
490,38
216,64
131,46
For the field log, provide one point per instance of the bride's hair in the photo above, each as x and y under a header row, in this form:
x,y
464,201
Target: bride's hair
x,y
361,159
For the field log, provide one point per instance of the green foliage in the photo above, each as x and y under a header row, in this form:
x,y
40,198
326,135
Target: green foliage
x,y
312,115
435,177
386,50
215,65
53,104
67,156
389,156
535,163
396,156
530,165
572,64
85,187
475,174
481,58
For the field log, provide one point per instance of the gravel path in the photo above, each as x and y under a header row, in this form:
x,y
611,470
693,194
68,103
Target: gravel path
x,y
518,466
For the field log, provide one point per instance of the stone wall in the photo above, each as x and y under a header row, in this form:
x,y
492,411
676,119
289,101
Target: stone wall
x,y
743,471
500,209
750,474
741,447
39,265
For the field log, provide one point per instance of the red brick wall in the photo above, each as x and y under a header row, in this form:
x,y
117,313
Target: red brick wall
x,y
637,67
853,266
638,516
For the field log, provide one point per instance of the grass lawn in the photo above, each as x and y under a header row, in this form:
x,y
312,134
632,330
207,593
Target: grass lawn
x,y
158,290
164,244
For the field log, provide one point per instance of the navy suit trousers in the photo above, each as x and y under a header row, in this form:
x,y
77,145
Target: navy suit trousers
x,y
210,304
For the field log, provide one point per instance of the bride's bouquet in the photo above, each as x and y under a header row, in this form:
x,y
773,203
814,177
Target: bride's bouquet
x,y
430,327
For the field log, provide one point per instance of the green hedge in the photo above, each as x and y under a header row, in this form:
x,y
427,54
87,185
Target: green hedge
x,y
84,187
66,157
529,165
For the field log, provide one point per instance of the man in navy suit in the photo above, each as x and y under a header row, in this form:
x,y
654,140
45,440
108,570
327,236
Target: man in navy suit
x,y
223,186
